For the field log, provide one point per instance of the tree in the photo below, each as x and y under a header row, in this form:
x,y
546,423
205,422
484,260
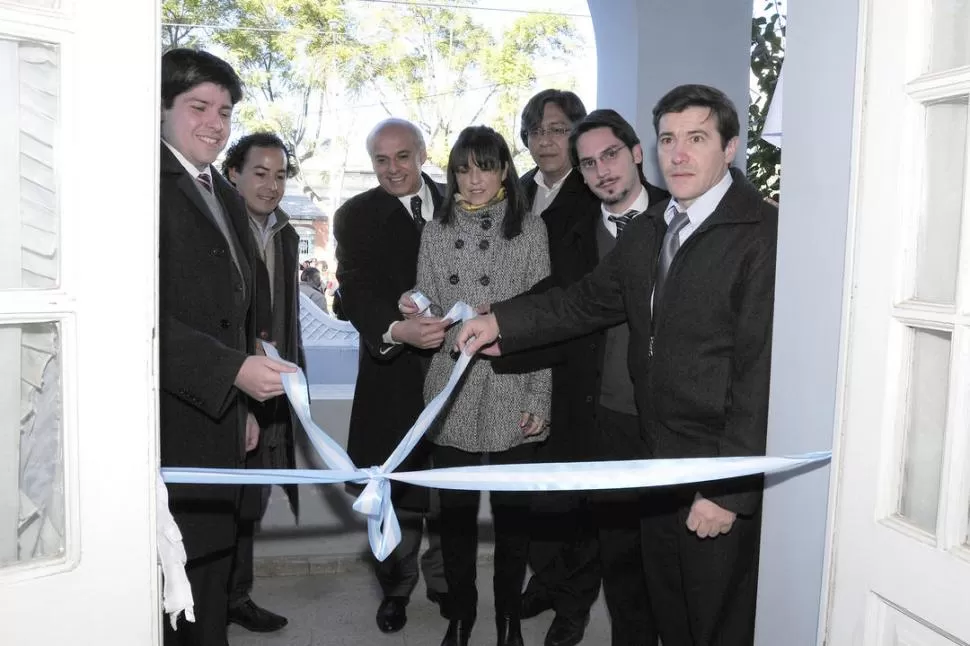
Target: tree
x,y
447,69
767,54
294,57
181,17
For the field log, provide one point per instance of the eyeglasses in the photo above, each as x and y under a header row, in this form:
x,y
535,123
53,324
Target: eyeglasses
x,y
608,156
558,131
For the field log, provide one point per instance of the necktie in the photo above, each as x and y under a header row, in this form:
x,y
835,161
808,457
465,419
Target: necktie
x,y
205,181
622,220
416,212
671,243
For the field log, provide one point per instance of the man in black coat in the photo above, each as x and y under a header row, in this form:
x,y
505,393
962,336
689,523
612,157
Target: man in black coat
x,y
694,279
378,234
258,166
563,548
593,394
208,303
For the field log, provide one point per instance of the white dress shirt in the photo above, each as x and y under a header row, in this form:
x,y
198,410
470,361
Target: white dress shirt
x,y
546,194
427,204
639,205
701,209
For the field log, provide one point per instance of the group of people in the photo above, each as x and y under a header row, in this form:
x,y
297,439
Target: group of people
x,y
619,321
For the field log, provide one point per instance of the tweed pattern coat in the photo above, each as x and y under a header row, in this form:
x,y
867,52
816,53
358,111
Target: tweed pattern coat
x,y
469,260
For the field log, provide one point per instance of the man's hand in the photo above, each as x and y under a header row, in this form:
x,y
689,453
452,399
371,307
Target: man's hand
x,y
421,332
707,519
531,424
252,432
407,307
261,378
478,333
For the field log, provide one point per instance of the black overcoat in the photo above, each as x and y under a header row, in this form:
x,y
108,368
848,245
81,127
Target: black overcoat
x,y
701,365
206,330
377,259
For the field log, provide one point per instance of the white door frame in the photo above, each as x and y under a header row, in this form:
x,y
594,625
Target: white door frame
x,y
104,588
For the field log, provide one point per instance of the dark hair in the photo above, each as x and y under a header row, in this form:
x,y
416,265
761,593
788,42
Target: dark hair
x,y
183,69
312,276
567,101
605,118
700,96
489,151
236,155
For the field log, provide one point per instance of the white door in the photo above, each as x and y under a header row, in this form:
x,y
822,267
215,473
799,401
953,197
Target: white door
x,y
900,566
78,188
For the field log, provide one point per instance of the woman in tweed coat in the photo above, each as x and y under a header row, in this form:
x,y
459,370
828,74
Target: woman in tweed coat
x,y
483,247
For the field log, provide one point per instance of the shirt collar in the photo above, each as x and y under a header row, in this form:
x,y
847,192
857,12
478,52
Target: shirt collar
x,y
271,222
703,206
539,179
639,205
189,166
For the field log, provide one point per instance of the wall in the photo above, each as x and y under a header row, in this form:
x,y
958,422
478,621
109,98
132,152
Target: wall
x,y
815,201
645,48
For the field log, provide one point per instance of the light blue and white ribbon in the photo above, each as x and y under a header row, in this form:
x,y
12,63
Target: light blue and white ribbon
x,y
383,529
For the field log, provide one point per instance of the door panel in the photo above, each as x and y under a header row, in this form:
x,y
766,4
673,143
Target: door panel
x,y
78,436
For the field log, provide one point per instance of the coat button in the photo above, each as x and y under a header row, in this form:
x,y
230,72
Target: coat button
x,y
218,252
484,280
483,245
486,224
453,279
459,244
589,399
224,324
239,287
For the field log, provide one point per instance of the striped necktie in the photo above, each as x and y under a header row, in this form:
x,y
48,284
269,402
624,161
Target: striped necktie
x,y
622,220
205,181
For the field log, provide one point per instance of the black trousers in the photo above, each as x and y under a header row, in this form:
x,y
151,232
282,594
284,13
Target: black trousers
x,y
398,573
209,577
564,553
703,590
256,499
459,535
617,515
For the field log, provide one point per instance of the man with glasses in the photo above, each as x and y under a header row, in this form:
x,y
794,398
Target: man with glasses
x,y
563,551
694,277
594,411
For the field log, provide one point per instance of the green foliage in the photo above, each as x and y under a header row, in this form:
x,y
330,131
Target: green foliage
x,y
302,61
767,54
441,62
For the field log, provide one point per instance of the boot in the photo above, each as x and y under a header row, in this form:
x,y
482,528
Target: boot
x,y
458,633
509,631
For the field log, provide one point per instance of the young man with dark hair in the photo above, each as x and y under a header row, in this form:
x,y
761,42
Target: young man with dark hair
x,y
258,165
699,354
211,375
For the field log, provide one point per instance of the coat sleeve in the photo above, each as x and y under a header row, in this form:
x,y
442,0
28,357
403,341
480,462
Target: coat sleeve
x,y
594,302
365,297
746,429
198,369
538,386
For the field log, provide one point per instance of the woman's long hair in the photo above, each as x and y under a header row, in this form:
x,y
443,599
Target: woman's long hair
x,y
486,149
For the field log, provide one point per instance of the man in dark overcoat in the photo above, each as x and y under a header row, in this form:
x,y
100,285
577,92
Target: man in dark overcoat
x,y
694,279
378,233
208,302
258,165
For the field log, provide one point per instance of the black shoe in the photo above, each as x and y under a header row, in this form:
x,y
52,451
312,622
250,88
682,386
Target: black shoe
x,y
534,604
509,631
566,631
458,633
255,619
391,615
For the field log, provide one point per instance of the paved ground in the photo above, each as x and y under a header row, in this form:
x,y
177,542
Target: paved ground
x,y
338,610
